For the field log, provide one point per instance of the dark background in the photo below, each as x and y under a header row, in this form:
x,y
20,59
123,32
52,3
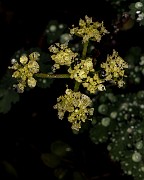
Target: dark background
x,y
32,125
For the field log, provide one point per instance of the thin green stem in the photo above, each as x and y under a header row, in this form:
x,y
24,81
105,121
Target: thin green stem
x,y
42,75
76,87
85,50
85,46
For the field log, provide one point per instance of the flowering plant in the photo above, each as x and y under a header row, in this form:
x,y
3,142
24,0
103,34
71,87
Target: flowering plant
x,y
80,68
116,119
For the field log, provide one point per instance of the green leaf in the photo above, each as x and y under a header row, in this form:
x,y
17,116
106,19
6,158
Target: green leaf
x,y
77,176
54,30
50,160
98,134
7,98
9,169
60,148
60,173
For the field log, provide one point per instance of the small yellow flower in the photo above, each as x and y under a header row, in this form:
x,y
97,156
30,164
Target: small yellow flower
x,y
34,56
33,67
23,59
31,82
20,87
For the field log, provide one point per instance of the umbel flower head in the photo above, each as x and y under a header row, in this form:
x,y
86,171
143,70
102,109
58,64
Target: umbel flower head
x,y
78,106
89,30
81,70
114,68
62,55
24,71
94,83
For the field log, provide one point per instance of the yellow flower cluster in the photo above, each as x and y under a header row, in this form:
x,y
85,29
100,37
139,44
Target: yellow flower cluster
x,y
78,106
62,55
89,30
24,71
94,83
80,73
81,70
114,68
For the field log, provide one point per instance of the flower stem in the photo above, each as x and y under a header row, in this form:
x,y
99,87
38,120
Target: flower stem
x,y
42,75
84,50
77,84
76,87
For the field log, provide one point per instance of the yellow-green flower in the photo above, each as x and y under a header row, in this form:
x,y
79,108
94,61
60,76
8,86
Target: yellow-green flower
x,y
78,106
24,71
62,55
114,68
81,70
89,30
94,83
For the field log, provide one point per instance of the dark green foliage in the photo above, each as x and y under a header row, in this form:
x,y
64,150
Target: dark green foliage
x,y
124,134
53,31
137,11
7,98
